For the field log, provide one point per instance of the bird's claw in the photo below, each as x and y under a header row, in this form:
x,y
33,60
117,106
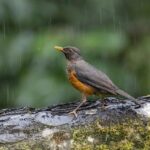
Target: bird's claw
x,y
73,113
138,105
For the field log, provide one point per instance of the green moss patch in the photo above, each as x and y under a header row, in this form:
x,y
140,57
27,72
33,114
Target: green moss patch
x,y
126,136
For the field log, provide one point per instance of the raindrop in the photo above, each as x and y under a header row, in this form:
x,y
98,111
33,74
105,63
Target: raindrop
x,y
7,95
4,30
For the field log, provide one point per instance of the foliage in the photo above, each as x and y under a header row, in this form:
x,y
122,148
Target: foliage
x,y
113,36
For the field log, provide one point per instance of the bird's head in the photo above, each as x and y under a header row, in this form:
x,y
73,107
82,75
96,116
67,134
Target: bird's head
x,y
71,53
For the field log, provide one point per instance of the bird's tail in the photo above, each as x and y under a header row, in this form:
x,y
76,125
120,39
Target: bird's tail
x,y
124,94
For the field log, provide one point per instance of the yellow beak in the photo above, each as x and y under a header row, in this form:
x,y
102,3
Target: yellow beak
x,y
58,48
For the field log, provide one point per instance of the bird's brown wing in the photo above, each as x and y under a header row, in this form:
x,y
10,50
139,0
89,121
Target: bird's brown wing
x,y
95,78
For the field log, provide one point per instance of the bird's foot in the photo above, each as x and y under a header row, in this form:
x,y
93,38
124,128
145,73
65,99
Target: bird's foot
x,y
74,112
138,105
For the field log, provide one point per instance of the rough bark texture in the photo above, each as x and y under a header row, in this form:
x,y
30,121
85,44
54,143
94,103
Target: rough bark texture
x,y
96,127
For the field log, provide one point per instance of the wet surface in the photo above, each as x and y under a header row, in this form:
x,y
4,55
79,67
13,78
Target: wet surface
x,y
20,123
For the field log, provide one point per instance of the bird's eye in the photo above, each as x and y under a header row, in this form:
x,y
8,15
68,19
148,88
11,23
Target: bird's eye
x,y
69,50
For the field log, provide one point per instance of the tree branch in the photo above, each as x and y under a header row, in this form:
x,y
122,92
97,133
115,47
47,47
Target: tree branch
x,y
53,128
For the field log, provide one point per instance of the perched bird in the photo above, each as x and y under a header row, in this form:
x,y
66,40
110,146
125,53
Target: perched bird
x,y
87,79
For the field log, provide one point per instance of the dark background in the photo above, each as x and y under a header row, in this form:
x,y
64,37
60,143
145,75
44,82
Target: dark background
x,y
112,35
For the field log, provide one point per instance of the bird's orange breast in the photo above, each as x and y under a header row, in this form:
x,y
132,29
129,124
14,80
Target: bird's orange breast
x,y
86,89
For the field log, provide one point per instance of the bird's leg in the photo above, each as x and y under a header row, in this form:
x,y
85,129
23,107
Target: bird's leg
x,y
74,112
103,102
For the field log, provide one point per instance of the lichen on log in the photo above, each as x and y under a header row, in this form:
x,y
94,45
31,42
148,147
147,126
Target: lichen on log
x,y
121,124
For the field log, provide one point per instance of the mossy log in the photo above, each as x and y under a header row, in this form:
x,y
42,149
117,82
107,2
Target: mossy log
x,y
121,124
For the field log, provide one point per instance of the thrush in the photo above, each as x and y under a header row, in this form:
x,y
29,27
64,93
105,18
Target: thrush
x,y
87,79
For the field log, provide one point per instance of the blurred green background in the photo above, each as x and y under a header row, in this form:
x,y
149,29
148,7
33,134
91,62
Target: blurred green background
x,y
112,35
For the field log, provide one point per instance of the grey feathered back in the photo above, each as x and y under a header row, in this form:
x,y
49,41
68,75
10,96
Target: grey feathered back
x,y
95,78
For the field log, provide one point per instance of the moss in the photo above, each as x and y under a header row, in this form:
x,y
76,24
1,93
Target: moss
x,y
130,135
60,137
133,134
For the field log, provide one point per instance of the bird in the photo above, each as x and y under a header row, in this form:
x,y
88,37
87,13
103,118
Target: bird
x,y
88,79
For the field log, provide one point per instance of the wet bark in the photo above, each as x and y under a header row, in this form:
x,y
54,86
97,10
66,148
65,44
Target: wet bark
x,y
52,127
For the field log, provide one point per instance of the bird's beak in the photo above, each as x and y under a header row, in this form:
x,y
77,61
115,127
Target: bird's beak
x,y
59,48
